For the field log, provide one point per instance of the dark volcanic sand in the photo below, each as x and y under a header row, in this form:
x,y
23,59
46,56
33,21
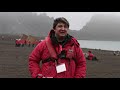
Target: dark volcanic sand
x,y
14,62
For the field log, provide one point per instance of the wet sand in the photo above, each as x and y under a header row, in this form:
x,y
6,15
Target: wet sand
x,y
14,62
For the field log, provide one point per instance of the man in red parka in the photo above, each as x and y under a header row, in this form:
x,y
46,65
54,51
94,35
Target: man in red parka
x,y
60,55
91,56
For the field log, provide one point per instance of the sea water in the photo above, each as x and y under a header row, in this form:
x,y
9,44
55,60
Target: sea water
x,y
103,45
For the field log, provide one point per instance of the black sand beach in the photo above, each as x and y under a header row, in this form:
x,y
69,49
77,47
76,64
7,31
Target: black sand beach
x,y
14,62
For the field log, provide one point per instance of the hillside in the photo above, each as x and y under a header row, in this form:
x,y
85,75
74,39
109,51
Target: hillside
x,y
101,27
24,23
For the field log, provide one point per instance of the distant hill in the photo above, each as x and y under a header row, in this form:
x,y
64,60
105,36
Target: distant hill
x,y
101,27
25,23
15,23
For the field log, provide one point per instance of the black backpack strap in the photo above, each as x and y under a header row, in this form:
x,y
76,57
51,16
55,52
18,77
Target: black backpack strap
x,y
48,60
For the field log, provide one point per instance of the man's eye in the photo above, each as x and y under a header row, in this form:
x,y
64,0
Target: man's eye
x,y
66,26
60,26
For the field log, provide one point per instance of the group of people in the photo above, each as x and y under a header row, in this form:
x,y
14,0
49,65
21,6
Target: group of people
x,y
22,43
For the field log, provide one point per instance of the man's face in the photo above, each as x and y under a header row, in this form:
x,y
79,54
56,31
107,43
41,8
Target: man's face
x,y
61,29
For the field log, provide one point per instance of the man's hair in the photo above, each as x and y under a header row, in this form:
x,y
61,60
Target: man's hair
x,y
60,20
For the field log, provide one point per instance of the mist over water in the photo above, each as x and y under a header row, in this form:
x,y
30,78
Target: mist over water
x,y
103,45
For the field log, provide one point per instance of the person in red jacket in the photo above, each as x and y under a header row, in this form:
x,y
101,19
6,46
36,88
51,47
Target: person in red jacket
x,y
60,55
91,56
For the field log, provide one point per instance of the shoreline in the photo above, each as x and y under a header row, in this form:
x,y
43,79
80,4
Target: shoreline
x,y
14,62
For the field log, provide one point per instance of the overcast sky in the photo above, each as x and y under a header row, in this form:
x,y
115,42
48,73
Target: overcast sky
x,y
77,19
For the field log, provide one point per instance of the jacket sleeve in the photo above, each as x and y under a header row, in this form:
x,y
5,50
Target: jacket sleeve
x,y
80,71
34,60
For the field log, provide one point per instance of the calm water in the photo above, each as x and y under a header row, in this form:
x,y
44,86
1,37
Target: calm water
x,y
104,45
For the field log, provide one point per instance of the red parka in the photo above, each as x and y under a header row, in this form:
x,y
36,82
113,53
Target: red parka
x,y
90,56
75,66
17,41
